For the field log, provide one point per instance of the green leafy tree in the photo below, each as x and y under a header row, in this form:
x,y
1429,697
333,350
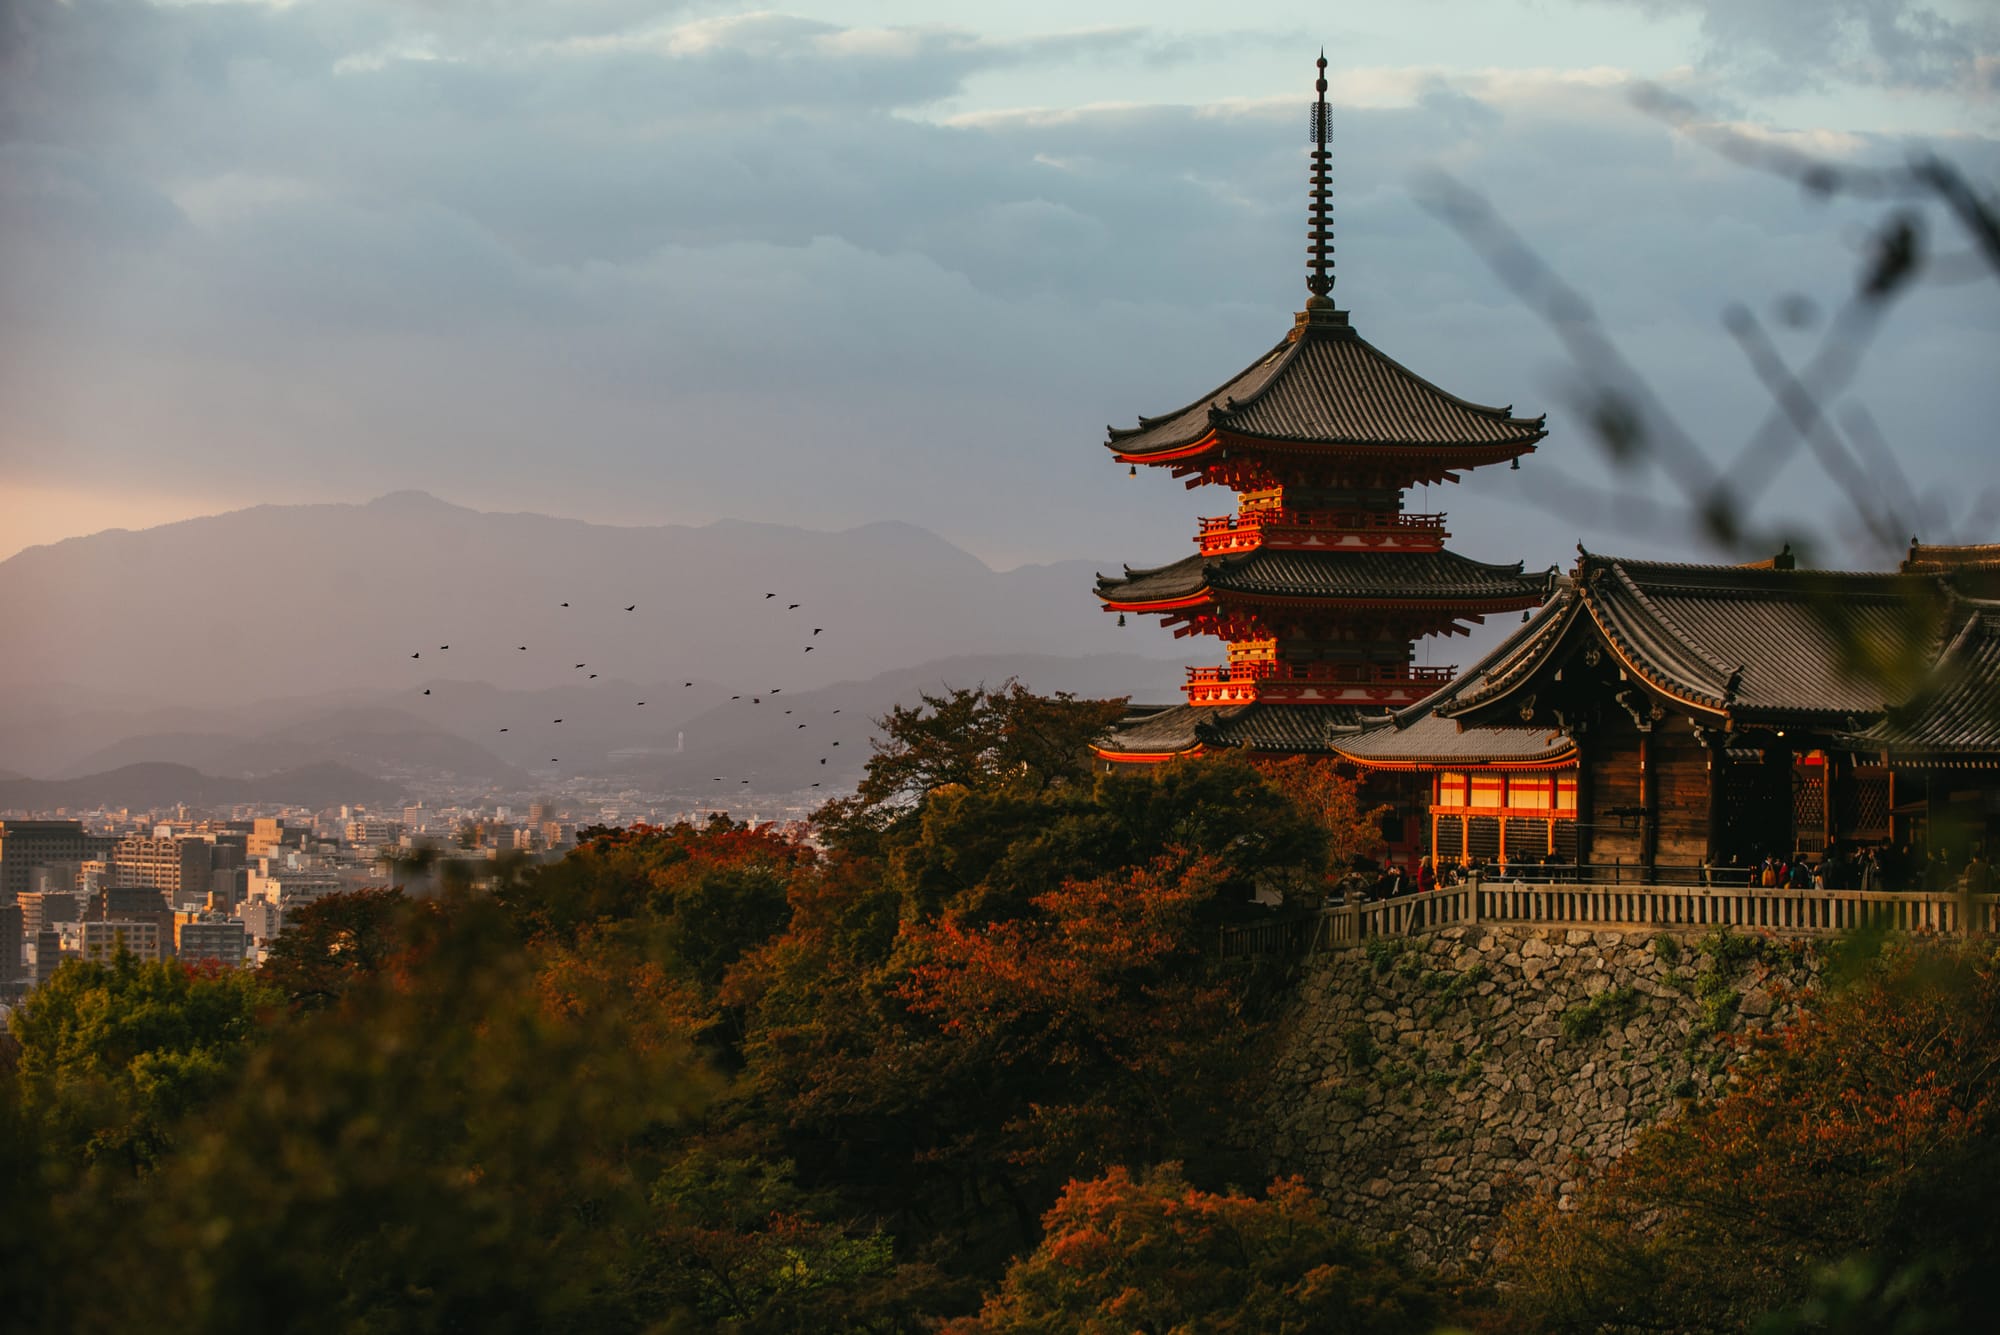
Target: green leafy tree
x,y
113,1055
461,1143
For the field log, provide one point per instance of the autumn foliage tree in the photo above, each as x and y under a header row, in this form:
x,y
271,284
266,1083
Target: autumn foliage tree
x,y
1863,1141
1124,1253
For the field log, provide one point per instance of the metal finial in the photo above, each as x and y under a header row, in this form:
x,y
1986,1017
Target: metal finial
x,y
1320,231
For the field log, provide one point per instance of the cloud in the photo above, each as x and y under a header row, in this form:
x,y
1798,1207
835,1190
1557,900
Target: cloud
x,y
1797,44
635,266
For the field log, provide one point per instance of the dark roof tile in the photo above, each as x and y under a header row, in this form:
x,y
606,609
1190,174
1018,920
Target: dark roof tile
x,y
1330,386
1416,577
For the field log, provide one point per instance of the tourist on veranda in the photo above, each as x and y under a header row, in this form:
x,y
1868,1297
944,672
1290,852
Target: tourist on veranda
x,y
1427,880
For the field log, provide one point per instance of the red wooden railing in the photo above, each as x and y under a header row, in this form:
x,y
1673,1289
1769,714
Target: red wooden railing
x,y
1243,682
1276,527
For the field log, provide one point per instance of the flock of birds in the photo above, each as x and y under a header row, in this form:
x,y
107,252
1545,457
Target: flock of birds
x,y
755,698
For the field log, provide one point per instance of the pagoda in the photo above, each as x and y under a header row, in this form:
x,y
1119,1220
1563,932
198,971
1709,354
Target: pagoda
x,y
1321,580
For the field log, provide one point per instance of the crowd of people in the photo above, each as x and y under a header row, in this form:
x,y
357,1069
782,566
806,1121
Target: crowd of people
x,y
1837,867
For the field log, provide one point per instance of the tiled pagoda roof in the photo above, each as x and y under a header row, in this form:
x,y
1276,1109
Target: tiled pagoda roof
x,y
1413,577
1258,727
1326,385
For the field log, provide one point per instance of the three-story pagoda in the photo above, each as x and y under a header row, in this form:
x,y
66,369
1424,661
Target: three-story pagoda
x,y
1321,580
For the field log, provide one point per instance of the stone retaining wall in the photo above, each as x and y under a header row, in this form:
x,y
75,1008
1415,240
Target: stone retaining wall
x,y
1424,1082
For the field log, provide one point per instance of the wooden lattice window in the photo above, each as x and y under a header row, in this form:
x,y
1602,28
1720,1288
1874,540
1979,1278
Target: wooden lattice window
x,y
1527,839
1565,840
1808,806
1450,838
1864,805
1482,838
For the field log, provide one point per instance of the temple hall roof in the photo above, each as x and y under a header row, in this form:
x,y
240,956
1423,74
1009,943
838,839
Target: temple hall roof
x,y
1326,385
1421,737
1260,727
1746,642
1957,710
1413,577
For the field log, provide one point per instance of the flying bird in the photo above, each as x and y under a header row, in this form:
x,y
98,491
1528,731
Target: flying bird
x,y
802,725
776,689
633,608
593,676
736,697
565,604
815,785
583,665
416,655
818,629
642,702
503,730
836,743
687,683
836,711
756,699
791,607
770,595
427,690
822,760
444,646
809,648
524,648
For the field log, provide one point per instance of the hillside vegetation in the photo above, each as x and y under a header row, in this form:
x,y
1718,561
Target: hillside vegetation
x,y
968,1063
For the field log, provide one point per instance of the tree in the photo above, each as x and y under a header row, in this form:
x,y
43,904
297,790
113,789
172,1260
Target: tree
x,y
1332,800
113,1055
1098,1015
969,738
452,1146
1861,1142
333,943
1122,1253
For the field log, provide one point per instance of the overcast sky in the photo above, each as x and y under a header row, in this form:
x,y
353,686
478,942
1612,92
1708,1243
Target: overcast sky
x,y
840,262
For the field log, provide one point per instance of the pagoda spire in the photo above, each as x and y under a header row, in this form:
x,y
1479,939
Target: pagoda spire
x,y
1320,230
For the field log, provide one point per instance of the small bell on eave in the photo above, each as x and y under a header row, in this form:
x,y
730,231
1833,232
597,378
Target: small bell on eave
x,y
1121,618
1133,471
1516,464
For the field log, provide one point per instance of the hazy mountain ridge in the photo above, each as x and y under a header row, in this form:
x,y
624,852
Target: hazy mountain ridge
x,y
309,599
156,785
682,733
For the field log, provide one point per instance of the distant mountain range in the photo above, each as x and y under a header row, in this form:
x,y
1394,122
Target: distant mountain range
x,y
386,640
685,737
307,600
154,785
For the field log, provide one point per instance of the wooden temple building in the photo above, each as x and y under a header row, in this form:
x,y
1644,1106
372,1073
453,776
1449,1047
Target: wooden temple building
x,y
1659,717
1673,718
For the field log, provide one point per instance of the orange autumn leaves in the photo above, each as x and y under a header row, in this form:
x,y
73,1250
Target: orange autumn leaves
x,y
1127,1252
1867,1132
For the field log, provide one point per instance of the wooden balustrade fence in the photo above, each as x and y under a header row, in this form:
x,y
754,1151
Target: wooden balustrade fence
x,y
1616,907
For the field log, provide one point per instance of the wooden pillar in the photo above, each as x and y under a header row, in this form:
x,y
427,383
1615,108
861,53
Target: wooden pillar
x,y
1717,745
1649,801
1583,802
